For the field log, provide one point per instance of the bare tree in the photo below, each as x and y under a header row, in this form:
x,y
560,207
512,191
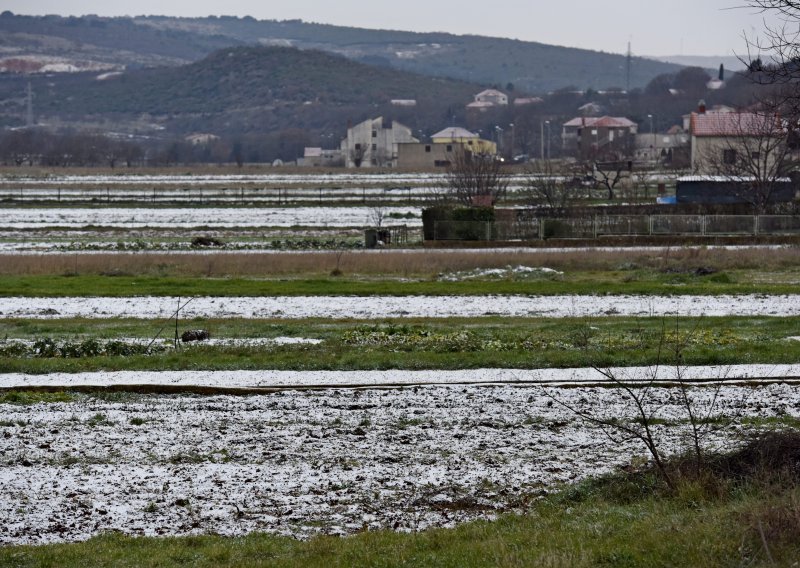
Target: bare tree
x,y
608,175
780,45
475,179
358,154
377,215
550,185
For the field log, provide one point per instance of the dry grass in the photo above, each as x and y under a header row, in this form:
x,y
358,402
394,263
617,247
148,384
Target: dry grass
x,y
394,262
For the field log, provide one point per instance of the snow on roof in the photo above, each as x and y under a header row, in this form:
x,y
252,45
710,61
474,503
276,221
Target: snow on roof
x,y
603,122
528,101
455,132
734,124
727,179
491,93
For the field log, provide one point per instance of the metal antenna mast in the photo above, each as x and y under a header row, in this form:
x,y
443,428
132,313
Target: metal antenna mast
x,y
629,60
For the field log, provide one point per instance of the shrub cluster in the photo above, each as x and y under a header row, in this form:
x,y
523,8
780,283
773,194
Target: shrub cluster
x,y
49,348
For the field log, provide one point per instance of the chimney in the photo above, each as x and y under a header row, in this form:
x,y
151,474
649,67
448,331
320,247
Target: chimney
x,y
701,107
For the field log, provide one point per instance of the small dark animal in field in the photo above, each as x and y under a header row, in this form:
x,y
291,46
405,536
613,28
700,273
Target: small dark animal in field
x,y
195,335
207,242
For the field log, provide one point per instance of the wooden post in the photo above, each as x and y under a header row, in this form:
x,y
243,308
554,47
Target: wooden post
x,y
177,312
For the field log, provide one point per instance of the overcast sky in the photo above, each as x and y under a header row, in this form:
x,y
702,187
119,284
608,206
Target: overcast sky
x,y
654,27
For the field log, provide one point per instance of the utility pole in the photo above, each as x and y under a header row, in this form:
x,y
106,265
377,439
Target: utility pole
x,y
541,138
29,107
547,123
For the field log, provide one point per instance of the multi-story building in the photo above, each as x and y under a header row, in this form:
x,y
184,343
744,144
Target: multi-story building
x,y
373,143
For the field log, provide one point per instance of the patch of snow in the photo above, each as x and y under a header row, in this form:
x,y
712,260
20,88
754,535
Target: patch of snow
x,y
507,272
38,218
372,307
268,379
328,461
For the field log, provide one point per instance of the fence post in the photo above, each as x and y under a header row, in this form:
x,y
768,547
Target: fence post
x,y
703,225
435,230
650,225
594,227
542,221
756,221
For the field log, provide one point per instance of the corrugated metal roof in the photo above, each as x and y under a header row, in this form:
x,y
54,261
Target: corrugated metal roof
x,y
735,124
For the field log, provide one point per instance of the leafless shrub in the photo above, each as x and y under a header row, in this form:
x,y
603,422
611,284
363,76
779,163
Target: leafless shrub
x,y
475,179
639,396
551,185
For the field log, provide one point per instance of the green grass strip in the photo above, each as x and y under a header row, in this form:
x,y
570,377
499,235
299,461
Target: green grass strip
x,y
687,529
600,283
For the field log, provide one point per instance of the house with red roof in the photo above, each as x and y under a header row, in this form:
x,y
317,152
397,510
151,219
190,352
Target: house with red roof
x,y
736,143
604,137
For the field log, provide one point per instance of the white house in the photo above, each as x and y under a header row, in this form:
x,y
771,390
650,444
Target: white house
x,y
487,99
373,143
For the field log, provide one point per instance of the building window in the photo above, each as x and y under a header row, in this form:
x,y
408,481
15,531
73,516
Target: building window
x,y
755,156
374,133
449,147
374,147
428,148
358,146
441,163
469,143
729,157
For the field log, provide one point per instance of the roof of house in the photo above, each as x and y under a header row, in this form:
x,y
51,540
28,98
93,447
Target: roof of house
x,y
734,124
601,122
726,179
481,104
491,93
528,101
455,132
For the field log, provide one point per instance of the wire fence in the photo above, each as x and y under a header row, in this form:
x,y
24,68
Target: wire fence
x,y
617,226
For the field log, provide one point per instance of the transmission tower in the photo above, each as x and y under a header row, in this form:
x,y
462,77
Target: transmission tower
x,y
628,62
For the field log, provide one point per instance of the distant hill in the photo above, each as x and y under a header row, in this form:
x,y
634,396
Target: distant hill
x,y
241,89
712,62
91,42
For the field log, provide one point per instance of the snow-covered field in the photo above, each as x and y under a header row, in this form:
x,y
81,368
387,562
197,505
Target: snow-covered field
x,y
268,379
134,218
300,463
199,180
378,307
224,196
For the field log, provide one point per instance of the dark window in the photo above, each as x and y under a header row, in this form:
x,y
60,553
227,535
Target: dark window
x,y
374,147
358,146
755,156
374,133
449,147
427,148
729,157
441,163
